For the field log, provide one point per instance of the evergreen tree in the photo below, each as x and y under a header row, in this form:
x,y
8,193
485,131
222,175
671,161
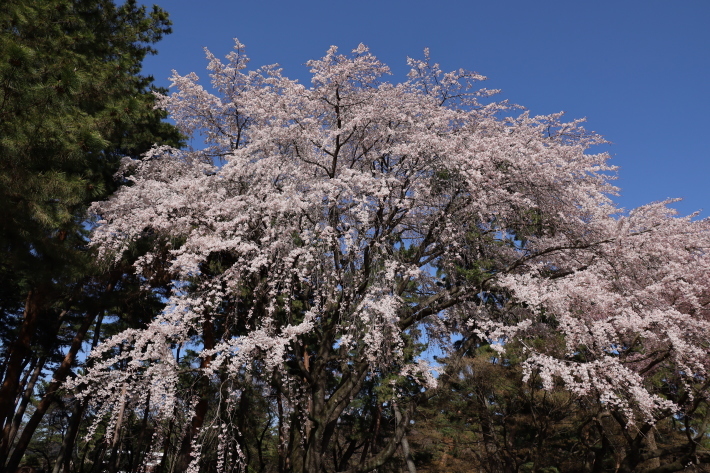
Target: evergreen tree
x,y
72,104
486,418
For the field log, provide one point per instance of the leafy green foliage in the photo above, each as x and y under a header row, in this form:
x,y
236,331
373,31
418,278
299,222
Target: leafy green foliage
x,y
72,104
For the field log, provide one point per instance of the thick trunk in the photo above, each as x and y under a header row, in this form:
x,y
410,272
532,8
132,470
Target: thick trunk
x,y
650,444
324,414
386,453
185,455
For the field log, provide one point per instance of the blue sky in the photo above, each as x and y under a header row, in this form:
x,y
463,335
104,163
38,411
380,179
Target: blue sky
x,y
638,70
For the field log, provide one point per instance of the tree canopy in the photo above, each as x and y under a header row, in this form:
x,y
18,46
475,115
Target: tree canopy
x,y
326,234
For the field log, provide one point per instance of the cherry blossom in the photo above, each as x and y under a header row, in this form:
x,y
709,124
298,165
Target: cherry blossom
x,y
323,230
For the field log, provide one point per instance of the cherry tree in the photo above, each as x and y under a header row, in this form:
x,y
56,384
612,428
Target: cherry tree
x,y
325,233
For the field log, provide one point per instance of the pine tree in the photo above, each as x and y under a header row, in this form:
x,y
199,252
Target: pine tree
x,y
72,103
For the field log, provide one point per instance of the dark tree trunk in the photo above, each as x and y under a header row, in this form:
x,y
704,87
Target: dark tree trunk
x,y
144,439
116,438
185,453
404,443
19,352
63,461
24,401
60,375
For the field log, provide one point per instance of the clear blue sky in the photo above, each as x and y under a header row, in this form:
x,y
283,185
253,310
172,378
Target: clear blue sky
x,y
638,70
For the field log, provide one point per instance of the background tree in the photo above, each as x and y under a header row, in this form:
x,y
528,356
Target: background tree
x,y
488,419
355,219
72,103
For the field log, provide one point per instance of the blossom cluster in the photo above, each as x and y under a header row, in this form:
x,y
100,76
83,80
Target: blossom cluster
x,y
320,226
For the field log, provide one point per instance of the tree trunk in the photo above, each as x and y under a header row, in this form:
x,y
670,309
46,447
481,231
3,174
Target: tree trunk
x,y
116,438
58,379
63,461
144,440
282,433
19,351
185,455
163,466
404,443
24,401
386,453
